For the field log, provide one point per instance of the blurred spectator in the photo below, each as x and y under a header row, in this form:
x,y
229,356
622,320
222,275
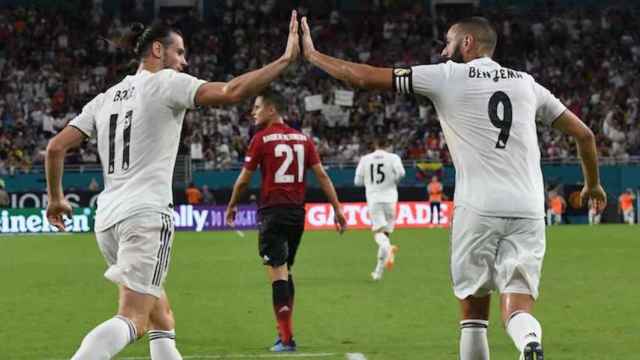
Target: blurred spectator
x,y
93,185
193,194
626,208
207,196
5,202
557,207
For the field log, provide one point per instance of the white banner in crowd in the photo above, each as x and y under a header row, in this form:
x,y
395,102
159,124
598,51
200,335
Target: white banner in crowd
x,y
424,111
313,103
335,115
343,97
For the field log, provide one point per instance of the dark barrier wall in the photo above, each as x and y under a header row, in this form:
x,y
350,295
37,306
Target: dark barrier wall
x,y
615,178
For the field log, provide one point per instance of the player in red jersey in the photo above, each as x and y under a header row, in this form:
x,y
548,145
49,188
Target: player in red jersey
x,y
283,155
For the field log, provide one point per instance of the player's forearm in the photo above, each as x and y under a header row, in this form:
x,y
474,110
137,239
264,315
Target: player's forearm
x,y
253,82
329,190
238,189
349,72
54,167
589,159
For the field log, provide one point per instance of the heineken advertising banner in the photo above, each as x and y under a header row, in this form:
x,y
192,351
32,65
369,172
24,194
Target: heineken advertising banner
x,y
186,218
34,220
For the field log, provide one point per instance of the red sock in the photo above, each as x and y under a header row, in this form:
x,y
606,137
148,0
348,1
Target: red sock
x,y
282,309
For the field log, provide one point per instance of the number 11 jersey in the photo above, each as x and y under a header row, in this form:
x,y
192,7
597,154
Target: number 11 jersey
x,y
137,124
488,117
283,154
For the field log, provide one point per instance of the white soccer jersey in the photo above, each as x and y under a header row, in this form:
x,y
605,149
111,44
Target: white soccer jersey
x,y
380,172
488,114
137,124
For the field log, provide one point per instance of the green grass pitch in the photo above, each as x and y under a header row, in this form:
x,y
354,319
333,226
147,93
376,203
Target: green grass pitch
x,y
52,292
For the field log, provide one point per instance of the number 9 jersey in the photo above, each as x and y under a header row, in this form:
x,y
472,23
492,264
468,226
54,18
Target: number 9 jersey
x,y
137,124
488,117
283,154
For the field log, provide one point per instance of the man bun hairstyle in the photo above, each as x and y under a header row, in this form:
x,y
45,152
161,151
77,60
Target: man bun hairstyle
x,y
274,98
482,31
138,39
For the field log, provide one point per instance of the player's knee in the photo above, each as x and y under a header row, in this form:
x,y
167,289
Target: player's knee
x,y
162,320
141,324
476,314
476,308
514,309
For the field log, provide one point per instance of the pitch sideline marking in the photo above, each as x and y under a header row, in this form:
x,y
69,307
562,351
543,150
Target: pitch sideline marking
x,y
356,356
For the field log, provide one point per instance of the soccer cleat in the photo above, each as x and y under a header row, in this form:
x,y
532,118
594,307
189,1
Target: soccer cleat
x,y
533,351
391,257
279,346
375,276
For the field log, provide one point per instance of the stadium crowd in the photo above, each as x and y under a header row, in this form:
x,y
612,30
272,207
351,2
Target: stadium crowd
x,y
52,63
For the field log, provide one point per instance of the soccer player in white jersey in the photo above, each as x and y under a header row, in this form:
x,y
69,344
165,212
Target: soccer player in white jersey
x,y
137,124
380,172
488,116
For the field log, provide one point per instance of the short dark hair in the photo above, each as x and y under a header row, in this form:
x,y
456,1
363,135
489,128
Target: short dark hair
x,y
482,31
274,98
379,142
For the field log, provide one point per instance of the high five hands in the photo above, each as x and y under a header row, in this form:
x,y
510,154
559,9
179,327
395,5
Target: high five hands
x,y
293,41
292,50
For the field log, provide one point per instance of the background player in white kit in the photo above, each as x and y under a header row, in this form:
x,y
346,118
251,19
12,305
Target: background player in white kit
x,y
379,172
487,113
137,124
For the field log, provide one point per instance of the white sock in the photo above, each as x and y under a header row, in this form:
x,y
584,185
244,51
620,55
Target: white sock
x,y
523,329
106,339
383,249
473,340
162,345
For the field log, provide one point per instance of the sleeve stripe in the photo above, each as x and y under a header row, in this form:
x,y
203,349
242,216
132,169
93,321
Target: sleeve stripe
x,y
82,131
402,82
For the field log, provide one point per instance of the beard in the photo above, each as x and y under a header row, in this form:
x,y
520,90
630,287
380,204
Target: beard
x,y
167,65
457,54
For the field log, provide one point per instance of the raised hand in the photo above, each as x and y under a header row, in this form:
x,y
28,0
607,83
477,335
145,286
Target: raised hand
x,y
55,210
307,41
293,41
597,195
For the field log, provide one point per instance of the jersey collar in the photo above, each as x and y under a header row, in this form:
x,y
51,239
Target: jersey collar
x,y
482,61
274,125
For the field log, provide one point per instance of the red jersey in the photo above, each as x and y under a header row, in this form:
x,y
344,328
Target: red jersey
x,y
283,154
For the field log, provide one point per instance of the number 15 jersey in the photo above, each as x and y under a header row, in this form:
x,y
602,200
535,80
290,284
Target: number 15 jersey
x,y
488,114
283,154
137,123
380,172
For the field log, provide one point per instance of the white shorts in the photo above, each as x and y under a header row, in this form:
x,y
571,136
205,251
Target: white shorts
x,y
495,253
383,216
138,250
